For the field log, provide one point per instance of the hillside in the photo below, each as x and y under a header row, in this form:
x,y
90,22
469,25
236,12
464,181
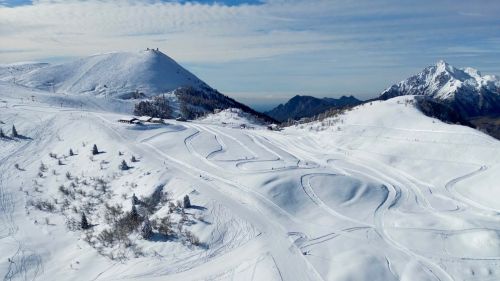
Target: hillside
x,y
359,196
10,72
117,75
122,76
307,106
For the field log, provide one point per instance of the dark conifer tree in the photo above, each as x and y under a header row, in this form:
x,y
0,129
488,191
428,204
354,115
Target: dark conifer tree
x,y
187,202
134,214
95,151
124,166
84,224
14,132
135,200
146,230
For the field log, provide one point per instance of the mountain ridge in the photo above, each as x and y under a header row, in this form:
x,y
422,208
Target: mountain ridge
x,y
133,76
465,89
301,106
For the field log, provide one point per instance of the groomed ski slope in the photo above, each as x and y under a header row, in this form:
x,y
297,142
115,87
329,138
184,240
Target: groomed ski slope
x,y
380,193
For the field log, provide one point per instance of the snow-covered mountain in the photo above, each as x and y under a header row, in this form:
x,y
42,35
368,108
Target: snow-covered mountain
x,y
117,74
308,106
125,76
465,89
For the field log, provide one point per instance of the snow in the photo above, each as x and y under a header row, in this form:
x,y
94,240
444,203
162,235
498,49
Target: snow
x,y
443,81
381,192
232,117
117,74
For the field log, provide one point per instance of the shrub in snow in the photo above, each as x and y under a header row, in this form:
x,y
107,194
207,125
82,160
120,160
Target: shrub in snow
x,y
2,134
43,168
95,151
192,238
150,203
187,202
171,207
112,212
14,132
134,215
133,159
123,166
43,205
71,152
146,230
165,226
84,223
106,237
130,222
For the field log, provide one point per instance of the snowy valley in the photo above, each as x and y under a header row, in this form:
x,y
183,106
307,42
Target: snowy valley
x,y
377,192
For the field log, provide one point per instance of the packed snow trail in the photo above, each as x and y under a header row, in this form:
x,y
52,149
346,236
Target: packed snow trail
x,y
291,263
301,204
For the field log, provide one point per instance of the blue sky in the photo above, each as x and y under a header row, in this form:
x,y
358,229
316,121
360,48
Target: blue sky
x,y
264,52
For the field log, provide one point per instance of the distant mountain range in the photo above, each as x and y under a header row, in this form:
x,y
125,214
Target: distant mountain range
x,y
307,106
456,95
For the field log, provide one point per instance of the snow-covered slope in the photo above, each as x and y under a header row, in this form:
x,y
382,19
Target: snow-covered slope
x,y
465,88
379,193
9,72
113,74
121,76
233,117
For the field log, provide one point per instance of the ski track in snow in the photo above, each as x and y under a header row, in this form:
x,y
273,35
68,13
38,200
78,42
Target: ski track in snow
x,y
271,210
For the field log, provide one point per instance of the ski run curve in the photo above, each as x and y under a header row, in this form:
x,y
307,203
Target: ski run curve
x,y
371,197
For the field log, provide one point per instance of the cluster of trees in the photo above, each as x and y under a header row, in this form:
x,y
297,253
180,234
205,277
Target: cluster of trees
x,y
13,134
135,220
333,112
443,111
157,107
120,223
194,103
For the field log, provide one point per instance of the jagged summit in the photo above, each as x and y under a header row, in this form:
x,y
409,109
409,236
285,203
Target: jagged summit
x,y
116,74
467,87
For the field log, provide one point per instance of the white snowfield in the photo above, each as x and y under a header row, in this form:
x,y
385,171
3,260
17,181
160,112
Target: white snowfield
x,y
232,117
380,193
